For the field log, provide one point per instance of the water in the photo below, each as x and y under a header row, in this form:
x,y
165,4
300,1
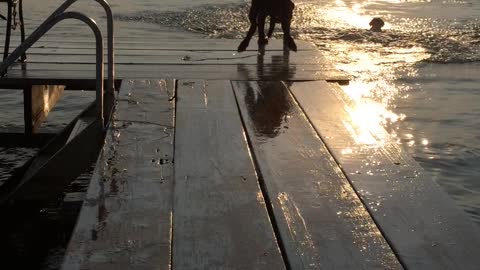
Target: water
x,y
419,78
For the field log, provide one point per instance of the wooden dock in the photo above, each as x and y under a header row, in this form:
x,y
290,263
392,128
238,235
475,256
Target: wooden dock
x,y
72,63
219,160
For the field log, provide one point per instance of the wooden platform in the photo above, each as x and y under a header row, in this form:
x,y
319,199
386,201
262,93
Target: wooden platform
x,y
72,62
219,174
220,160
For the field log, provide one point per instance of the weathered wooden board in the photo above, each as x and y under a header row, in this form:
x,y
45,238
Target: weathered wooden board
x,y
220,72
261,68
150,46
39,100
140,48
423,225
182,57
126,218
71,62
322,222
220,220
86,54
80,125
153,42
59,51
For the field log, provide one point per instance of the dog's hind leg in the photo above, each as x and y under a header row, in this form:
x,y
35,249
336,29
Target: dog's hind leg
x,y
272,27
252,17
286,20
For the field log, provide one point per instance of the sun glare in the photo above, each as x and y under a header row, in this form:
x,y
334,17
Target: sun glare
x,y
353,15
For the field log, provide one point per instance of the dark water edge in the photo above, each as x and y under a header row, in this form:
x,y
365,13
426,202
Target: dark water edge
x,y
12,158
11,120
34,237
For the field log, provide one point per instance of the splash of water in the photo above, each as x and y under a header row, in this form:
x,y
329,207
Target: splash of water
x,y
443,41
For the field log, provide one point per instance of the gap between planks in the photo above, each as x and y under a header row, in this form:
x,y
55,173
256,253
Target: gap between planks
x,y
422,224
320,219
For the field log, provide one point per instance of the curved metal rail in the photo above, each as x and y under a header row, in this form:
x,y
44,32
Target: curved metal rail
x,y
58,15
110,41
44,28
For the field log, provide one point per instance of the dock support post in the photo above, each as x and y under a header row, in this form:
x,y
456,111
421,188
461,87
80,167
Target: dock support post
x,y
39,100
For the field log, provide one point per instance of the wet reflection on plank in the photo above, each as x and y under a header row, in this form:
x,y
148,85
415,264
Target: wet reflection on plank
x,y
278,69
267,105
321,221
268,108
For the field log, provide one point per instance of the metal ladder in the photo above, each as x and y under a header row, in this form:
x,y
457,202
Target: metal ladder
x,y
59,15
65,156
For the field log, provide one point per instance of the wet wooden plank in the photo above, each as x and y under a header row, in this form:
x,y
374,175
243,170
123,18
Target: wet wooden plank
x,y
58,52
148,47
220,220
257,67
424,226
80,125
322,222
183,57
153,42
261,68
214,72
126,218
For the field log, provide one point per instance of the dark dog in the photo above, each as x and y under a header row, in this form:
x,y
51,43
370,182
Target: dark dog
x,y
376,24
279,11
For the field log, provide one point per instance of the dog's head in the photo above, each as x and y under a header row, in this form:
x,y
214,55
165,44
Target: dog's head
x,y
376,24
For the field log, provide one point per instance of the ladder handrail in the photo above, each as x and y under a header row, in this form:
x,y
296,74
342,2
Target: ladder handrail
x,y
110,39
57,16
110,36
44,28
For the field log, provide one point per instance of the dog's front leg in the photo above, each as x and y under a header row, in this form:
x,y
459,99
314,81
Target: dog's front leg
x,y
252,17
288,42
262,41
